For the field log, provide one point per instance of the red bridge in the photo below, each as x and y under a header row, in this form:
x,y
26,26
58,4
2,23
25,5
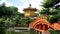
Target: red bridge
x,y
41,24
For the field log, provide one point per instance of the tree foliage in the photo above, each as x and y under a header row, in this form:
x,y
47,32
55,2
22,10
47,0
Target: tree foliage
x,y
44,11
7,10
6,15
26,21
49,3
52,18
2,26
52,11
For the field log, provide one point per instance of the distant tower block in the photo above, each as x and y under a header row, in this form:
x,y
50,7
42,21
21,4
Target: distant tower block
x,y
30,11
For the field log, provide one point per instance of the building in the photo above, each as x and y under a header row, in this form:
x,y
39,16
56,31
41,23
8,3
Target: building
x,y
30,11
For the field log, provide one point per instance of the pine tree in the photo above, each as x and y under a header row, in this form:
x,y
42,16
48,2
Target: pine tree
x,y
51,8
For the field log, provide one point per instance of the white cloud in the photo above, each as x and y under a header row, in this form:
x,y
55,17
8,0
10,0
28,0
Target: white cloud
x,y
34,3
1,1
9,4
20,9
6,2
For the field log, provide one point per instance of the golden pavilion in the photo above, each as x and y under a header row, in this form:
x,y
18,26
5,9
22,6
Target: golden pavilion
x,y
30,11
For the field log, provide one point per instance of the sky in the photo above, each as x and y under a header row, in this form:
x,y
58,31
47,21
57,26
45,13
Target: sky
x,y
21,4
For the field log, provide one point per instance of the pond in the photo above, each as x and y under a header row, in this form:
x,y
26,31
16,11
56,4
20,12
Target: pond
x,y
21,31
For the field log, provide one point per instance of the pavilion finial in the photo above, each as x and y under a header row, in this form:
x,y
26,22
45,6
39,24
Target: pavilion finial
x,y
30,5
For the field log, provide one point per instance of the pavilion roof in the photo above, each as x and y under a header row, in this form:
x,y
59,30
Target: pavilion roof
x,y
29,8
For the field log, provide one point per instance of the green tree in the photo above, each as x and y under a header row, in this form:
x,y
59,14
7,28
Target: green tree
x,y
52,11
6,16
2,26
44,11
26,21
49,3
7,11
